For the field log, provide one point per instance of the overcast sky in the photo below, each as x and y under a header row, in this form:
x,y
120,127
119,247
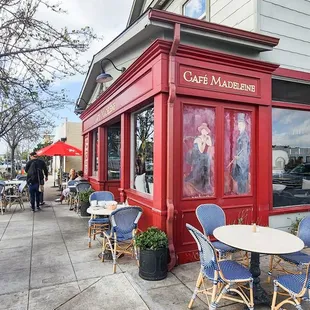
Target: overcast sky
x,y
108,18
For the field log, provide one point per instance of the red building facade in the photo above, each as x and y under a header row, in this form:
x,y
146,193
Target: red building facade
x,y
211,139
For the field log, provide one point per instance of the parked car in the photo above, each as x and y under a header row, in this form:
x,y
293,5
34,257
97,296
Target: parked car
x,y
293,178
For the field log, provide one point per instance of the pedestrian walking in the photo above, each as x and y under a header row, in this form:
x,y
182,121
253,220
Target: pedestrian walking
x,y
35,169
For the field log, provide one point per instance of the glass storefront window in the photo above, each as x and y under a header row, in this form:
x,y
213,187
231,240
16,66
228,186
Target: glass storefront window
x,y
143,124
95,152
290,157
114,151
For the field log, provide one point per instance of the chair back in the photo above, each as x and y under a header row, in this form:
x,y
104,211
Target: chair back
x,y
2,187
124,221
22,186
71,183
206,250
101,196
83,187
210,216
304,230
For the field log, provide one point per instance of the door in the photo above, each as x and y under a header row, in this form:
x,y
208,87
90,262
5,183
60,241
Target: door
x,y
217,165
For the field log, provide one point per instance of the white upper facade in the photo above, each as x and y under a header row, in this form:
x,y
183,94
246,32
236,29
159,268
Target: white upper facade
x,y
288,20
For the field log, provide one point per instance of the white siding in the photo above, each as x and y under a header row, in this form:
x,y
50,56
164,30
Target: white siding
x,y
233,13
289,21
146,5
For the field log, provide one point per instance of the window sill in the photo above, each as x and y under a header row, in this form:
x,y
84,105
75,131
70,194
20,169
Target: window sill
x,y
289,209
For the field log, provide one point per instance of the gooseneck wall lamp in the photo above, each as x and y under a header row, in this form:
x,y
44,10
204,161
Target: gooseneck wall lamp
x,y
104,77
79,108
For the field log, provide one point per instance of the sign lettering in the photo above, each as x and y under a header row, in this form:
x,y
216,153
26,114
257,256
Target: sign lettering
x,y
212,80
110,108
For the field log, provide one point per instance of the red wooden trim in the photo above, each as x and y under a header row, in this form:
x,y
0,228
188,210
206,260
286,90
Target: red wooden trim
x,y
102,150
160,152
290,105
143,198
167,17
294,74
289,209
125,155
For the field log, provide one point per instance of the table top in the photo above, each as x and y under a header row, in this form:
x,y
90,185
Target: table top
x,y
102,210
265,240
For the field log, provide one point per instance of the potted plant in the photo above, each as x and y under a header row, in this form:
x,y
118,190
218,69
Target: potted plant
x,y
153,245
84,200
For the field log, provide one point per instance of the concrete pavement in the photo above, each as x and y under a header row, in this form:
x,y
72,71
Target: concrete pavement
x,y
45,264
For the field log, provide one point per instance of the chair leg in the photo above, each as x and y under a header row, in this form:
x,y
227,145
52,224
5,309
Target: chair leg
x,y
274,297
198,284
89,236
103,248
251,296
270,268
114,253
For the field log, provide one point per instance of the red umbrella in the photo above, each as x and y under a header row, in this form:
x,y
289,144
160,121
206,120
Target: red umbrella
x,y
60,148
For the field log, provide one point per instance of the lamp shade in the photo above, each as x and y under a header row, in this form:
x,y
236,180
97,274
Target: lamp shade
x,y
104,78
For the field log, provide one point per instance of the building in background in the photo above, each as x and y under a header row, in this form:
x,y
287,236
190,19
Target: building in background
x,y
71,133
240,85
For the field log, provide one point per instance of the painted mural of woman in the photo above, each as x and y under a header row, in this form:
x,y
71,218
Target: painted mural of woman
x,y
201,160
241,162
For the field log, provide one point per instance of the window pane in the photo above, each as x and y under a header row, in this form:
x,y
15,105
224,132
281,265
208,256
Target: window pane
x,y
290,157
95,152
198,151
237,152
144,141
194,8
114,152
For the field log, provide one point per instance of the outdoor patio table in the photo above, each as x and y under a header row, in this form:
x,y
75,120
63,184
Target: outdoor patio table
x,y
266,241
94,211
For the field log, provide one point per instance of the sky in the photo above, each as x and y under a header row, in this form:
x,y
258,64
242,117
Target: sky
x,y
290,127
108,18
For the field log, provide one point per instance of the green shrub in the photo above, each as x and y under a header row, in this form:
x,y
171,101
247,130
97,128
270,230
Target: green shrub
x,y
84,196
152,239
294,225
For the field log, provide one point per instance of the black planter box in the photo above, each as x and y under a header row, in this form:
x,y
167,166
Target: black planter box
x,y
84,207
153,264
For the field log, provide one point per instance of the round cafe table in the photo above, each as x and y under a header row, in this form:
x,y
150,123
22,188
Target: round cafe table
x,y
266,241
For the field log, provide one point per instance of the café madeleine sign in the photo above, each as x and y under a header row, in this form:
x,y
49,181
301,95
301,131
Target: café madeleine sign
x,y
218,81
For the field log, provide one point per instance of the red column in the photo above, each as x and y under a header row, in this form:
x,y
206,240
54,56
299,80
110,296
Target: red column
x,y
160,161
87,155
264,164
102,156
125,155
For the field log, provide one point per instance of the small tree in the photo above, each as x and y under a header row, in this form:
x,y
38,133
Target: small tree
x,y
29,128
34,54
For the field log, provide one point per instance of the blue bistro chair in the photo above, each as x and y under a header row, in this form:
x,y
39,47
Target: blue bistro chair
x,y
294,286
211,216
297,259
98,225
121,238
225,275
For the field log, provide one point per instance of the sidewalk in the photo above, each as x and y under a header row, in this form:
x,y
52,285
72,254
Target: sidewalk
x,y
45,264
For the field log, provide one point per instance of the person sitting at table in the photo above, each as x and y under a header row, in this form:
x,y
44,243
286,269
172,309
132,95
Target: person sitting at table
x,y
80,176
66,191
